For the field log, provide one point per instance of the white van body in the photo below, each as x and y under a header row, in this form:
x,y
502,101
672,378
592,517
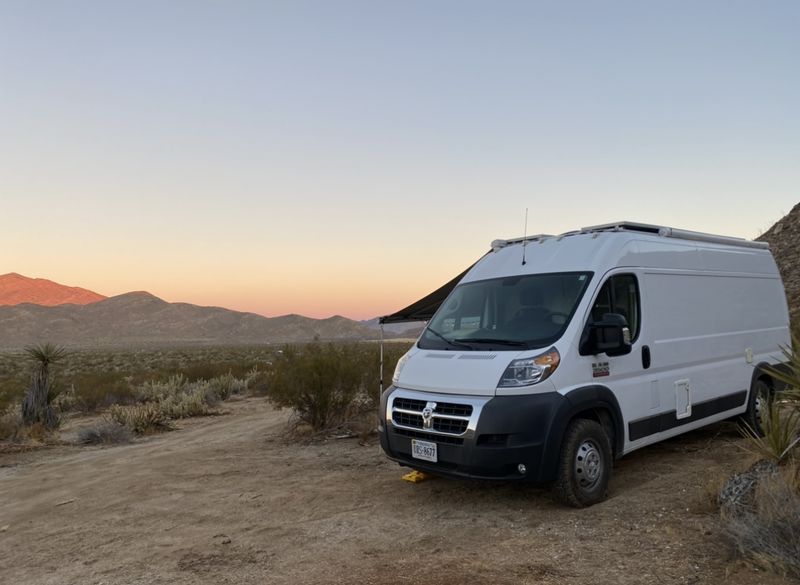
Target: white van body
x,y
706,316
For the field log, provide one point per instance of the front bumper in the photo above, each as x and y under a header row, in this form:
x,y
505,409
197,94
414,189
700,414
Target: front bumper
x,y
508,431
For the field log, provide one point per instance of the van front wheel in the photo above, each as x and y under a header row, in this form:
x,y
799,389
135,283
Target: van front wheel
x,y
584,466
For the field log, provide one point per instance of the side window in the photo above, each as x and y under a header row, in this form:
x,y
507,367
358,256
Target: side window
x,y
619,294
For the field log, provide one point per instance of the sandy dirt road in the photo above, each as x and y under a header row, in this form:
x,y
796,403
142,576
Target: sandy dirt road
x,y
226,499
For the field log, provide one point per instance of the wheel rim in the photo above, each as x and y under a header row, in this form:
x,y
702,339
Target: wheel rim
x,y
588,464
760,405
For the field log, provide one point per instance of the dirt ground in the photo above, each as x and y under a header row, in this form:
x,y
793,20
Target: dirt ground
x,y
226,499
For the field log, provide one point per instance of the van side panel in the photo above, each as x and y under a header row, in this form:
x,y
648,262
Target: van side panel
x,y
709,330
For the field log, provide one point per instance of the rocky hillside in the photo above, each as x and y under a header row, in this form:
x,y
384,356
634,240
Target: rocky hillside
x,y
16,289
140,318
784,240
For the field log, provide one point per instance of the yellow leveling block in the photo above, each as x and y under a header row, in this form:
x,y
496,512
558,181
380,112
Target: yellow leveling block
x,y
416,476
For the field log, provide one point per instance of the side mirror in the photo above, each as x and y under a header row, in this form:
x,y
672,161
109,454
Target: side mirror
x,y
611,335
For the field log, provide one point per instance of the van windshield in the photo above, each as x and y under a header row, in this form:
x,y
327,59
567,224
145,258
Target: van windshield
x,y
509,313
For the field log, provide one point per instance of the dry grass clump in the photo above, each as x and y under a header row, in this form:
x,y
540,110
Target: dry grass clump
x,y
175,398
106,432
157,390
185,403
761,507
767,533
142,419
226,385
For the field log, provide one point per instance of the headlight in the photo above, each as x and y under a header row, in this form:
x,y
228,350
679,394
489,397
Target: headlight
x,y
399,367
528,371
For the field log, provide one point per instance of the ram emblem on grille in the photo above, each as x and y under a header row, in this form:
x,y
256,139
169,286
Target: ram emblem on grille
x,y
427,415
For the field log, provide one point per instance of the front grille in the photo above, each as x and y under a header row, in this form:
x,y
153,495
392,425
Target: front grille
x,y
429,437
443,425
446,417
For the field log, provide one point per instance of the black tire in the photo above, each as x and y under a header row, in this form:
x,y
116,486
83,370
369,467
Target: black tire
x,y
584,465
759,398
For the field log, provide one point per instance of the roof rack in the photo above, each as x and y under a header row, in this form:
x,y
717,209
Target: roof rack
x,y
668,232
499,244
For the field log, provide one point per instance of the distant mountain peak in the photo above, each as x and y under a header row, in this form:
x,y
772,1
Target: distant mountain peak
x,y
16,289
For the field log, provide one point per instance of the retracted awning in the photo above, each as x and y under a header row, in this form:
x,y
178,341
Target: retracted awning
x,y
424,308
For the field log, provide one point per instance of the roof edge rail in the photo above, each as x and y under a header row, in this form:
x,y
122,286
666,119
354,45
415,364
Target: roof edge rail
x,y
669,232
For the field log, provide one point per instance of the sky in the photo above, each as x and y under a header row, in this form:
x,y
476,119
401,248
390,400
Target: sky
x,y
348,157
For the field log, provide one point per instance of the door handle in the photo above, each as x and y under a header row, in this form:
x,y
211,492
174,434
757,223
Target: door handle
x,y
645,356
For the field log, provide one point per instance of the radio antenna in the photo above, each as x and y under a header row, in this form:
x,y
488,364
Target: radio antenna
x,y
525,236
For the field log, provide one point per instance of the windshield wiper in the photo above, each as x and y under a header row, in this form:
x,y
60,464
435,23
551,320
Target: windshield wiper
x,y
509,342
453,342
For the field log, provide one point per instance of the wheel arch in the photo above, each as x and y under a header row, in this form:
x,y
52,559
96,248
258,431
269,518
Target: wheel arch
x,y
595,402
763,371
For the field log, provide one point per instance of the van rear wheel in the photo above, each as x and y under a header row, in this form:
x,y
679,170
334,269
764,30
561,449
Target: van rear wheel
x,y
584,466
757,405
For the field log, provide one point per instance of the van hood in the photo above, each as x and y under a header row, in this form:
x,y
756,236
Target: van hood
x,y
474,373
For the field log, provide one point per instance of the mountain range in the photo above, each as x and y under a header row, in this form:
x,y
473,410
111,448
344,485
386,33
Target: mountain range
x,y
34,310
38,310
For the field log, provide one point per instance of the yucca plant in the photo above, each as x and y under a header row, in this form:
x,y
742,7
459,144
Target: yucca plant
x,y
781,425
36,406
780,420
790,376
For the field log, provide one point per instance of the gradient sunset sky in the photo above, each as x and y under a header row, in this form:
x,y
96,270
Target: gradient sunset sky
x,y
341,157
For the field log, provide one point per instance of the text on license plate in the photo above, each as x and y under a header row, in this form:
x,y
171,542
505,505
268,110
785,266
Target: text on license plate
x,y
424,450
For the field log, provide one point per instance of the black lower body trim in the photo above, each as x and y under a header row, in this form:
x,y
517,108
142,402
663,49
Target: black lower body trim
x,y
644,427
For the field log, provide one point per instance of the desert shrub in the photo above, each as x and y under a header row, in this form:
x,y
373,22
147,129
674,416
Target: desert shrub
x,y
329,384
65,400
225,385
318,381
11,424
185,404
105,432
12,388
257,381
96,390
142,419
154,391
767,533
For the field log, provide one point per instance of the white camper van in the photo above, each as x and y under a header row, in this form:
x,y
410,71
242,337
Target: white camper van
x,y
553,355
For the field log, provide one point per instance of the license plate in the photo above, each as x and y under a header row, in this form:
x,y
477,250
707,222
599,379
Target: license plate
x,y
424,450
